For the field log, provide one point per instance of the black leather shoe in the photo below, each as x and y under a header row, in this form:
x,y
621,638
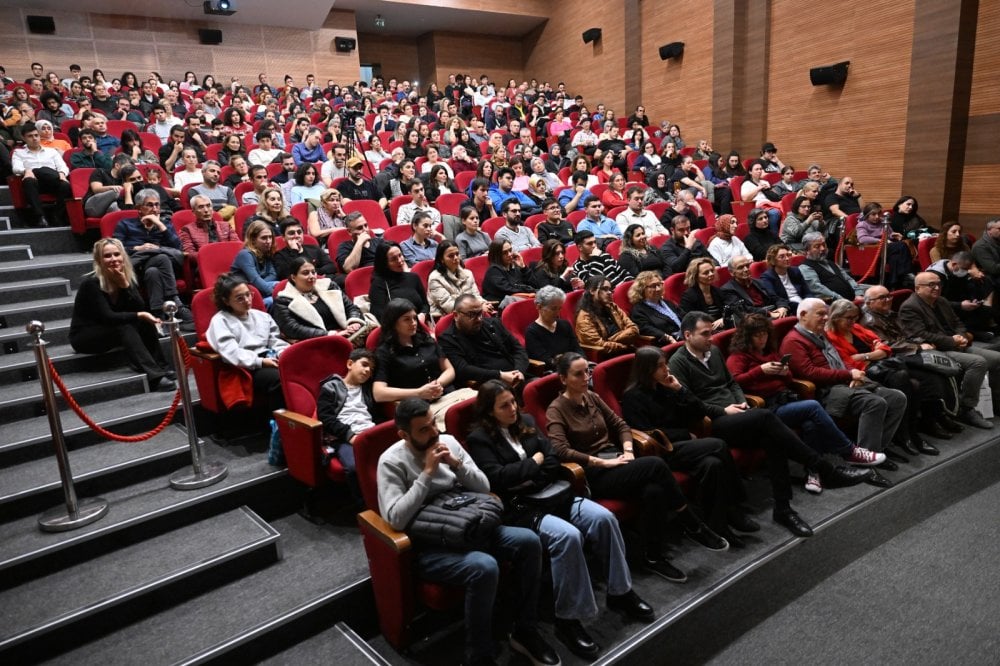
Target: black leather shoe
x,y
936,430
923,447
906,445
794,523
531,644
576,639
664,569
876,479
842,476
951,425
630,604
730,536
741,522
892,456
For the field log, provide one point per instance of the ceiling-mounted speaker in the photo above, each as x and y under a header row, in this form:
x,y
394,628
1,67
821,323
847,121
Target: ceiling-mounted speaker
x,y
41,25
831,75
671,50
591,35
209,37
345,44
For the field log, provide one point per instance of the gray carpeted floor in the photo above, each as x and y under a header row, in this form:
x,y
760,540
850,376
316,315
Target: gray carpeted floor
x,y
926,596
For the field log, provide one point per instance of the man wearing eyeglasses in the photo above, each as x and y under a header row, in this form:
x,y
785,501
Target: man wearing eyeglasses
x,y
155,251
482,349
928,318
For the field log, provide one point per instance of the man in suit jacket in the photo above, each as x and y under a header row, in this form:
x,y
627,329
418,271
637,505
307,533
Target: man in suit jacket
x,y
928,318
482,349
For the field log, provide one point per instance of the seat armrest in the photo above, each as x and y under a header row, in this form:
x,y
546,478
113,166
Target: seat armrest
x,y
755,401
573,472
805,389
373,524
294,419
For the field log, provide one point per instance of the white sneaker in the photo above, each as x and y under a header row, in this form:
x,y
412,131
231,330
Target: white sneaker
x,y
813,483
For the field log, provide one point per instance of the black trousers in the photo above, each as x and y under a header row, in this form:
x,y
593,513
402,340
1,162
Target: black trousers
x,y
761,429
267,384
140,340
46,181
158,279
719,484
647,480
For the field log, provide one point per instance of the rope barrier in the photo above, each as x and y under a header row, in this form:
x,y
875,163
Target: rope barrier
x,y
878,255
75,406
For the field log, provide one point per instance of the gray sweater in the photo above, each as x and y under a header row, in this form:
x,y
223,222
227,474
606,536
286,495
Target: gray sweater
x,y
404,487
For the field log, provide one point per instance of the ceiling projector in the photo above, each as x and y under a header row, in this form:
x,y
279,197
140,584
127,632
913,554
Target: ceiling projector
x,y
220,7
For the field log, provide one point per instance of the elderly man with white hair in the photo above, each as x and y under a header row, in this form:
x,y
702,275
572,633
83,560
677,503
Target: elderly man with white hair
x,y
842,391
823,277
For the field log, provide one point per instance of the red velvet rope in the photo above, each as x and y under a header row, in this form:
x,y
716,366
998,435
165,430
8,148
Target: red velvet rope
x,y
75,406
871,269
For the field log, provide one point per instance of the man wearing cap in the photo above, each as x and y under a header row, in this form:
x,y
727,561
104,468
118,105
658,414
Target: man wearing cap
x,y
769,158
355,186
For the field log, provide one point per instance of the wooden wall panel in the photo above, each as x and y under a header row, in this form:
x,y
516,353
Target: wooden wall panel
x,y
500,58
398,57
556,52
858,130
980,185
678,90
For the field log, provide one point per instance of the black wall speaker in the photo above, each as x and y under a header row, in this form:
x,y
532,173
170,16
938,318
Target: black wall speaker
x,y
345,44
591,35
833,75
41,25
206,36
671,50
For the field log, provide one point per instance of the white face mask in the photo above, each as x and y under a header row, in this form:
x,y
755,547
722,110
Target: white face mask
x,y
960,272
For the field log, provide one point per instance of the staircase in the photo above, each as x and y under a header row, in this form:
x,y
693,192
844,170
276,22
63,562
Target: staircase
x,y
220,574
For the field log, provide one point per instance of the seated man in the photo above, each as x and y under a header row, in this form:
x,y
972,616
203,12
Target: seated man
x,y
105,188
88,156
419,203
347,408
843,201
356,186
410,473
749,293
43,171
310,149
592,261
258,176
685,204
155,251
843,392
683,245
288,168
504,190
969,293
699,367
106,143
336,167
360,249
555,225
481,349
824,278
573,196
172,150
519,237
292,232
596,222
265,152
986,251
928,318
205,229
636,214
223,198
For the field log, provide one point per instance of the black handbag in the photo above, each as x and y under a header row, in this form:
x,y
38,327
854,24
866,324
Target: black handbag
x,y
932,360
554,499
880,370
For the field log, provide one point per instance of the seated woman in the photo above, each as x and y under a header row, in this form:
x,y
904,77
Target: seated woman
x,y
725,244
449,280
311,307
108,312
247,338
905,220
783,281
537,189
472,241
191,173
391,278
584,430
600,323
949,241
801,219
756,366
439,183
232,146
133,147
655,316
898,262
860,347
329,215
702,294
271,209
553,270
519,460
637,254
655,400
761,238
423,244
506,280
614,196
549,336
649,160
254,263
743,294
307,184
754,190
410,364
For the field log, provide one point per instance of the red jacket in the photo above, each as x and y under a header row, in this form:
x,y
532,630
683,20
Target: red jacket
x,y
745,369
809,363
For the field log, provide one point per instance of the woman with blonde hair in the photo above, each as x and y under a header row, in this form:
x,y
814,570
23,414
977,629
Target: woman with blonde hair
x,y
255,262
328,216
109,312
702,294
271,208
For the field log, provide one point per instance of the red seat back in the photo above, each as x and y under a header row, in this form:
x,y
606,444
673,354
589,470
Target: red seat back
x,y
516,317
538,395
358,282
367,448
215,259
448,204
305,364
111,220
620,296
611,378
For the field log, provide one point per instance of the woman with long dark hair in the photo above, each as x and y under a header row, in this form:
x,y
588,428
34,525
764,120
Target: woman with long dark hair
x,y
950,241
553,270
637,254
311,306
506,279
600,323
905,220
518,460
392,279
449,279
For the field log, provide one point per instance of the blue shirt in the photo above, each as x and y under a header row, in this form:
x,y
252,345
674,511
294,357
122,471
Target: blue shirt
x,y
132,233
606,227
498,196
303,154
413,252
567,195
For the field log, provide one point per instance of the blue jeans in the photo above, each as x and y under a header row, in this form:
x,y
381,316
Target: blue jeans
x,y
774,219
591,523
479,572
817,428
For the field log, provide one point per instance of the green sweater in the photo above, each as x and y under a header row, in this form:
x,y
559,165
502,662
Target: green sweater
x,y
712,384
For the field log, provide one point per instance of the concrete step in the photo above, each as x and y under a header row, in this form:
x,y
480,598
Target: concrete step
x,y
21,366
322,578
24,399
17,315
15,252
53,240
68,602
15,340
136,512
350,648
5,194
34,486
65,265
33,290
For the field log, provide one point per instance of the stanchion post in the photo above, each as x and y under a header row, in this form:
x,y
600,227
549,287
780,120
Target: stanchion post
x,y
76,513
202,472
